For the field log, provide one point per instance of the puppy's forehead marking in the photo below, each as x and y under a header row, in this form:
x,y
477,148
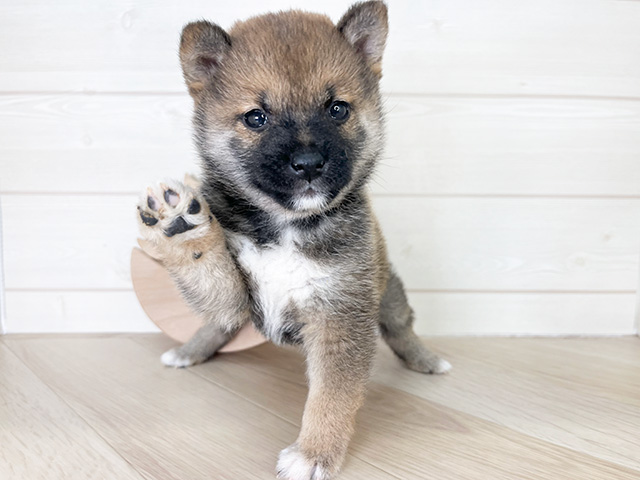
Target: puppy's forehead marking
x,y
272,102
293,57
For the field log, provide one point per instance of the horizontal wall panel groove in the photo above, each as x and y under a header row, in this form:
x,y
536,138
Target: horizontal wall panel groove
x,y
446,146
371,194
545,47
471,196
436,313
77,290
408,290
69,242
385,93
432,96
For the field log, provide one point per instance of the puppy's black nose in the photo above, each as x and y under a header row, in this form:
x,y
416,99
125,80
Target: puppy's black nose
x,y
307,165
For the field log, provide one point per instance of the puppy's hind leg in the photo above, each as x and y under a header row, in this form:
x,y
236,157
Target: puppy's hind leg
x,y
396,326
203,345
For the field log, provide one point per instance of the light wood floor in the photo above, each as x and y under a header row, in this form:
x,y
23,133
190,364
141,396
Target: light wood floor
x,y
103,407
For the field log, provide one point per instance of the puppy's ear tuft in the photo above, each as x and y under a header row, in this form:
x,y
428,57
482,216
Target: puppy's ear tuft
x,y
365,27
203,46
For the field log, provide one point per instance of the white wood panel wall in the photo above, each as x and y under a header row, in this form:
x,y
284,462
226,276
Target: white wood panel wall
x,y
3,312
509,191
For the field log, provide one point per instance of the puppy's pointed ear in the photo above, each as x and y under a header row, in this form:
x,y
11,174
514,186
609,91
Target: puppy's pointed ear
x,y
365,27
203,46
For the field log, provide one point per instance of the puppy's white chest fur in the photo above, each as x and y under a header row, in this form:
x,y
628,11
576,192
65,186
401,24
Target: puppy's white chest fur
x,y
281,277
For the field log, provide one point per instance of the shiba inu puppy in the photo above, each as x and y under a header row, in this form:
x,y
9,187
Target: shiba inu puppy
x,y
280,232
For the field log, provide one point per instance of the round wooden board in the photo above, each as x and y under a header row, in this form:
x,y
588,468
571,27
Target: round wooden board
x,y
161,301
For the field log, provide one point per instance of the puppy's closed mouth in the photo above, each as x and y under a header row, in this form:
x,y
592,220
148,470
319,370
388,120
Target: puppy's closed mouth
x,y
309,199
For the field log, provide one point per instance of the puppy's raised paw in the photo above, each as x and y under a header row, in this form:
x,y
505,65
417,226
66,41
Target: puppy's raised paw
x,y
294,465
170,215
171,209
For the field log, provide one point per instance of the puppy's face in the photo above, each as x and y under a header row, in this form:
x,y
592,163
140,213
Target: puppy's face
x,y
287,108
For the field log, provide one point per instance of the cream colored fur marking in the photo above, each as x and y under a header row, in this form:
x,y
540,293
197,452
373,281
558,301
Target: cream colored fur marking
x,y
293,465
281,274
171,358
316,202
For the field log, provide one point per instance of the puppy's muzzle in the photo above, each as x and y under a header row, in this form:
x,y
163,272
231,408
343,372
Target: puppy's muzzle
x,y
307,165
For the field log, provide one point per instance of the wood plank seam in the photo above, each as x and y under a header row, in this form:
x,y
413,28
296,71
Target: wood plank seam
x,y
280,378
262,407
387,356
70,407
142,354
380,440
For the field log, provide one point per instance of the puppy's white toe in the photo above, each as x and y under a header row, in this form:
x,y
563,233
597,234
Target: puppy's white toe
x,y
292,465
172,358
442,367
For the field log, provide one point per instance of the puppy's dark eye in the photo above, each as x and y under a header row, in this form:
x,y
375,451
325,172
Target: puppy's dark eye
x,y
339,111
255,119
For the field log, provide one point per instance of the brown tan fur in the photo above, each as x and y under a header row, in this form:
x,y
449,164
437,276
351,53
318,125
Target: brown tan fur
x,y
292,243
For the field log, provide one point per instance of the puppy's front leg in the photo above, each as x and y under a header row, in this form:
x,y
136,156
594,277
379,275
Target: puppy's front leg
x,y
179,230
339,361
